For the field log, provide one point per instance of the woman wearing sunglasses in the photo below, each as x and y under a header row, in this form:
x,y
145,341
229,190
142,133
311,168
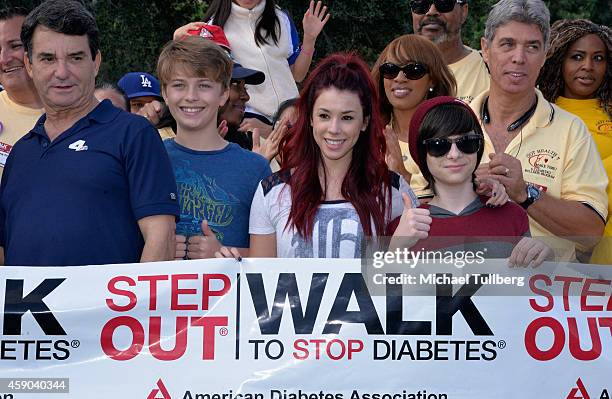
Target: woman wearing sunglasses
x,y
334,188
408,71
447,143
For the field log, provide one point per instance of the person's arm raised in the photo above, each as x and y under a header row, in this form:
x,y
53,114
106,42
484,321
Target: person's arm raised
x,y
314,20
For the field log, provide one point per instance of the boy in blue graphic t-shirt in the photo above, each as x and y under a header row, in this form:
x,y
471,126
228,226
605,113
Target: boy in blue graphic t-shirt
x,y
216,180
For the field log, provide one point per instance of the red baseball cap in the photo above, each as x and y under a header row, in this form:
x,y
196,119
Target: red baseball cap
x,y
212,32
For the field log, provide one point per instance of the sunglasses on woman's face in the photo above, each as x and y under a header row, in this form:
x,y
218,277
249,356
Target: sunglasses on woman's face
x,y
412,71
438,147
422,6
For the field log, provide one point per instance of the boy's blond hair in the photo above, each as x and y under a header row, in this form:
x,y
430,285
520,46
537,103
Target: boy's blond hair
x,y
195,54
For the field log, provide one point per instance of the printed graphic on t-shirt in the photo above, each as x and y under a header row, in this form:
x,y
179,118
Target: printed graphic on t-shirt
x,y
201,198
336,231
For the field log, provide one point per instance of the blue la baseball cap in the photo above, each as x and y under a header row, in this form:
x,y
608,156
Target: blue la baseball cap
x,y
139,84
250,76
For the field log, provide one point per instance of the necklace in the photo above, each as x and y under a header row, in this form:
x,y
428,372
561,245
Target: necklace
x,y
486,117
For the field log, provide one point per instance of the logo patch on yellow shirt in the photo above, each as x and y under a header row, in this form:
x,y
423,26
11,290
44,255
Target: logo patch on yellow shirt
x,y
543,162
604,127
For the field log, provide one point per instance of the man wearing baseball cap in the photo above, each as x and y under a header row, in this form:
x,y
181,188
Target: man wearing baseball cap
x,y
140,88
233,110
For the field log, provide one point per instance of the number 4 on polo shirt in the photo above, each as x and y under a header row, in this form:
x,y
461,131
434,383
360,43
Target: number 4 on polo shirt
x,y
78,146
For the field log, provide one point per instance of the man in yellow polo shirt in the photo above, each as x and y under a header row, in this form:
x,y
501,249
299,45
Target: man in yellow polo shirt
x,y
440,21
20,105
543,155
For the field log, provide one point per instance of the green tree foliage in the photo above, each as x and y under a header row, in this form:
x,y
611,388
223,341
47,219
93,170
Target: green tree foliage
x,y
364,26
134,31
367,26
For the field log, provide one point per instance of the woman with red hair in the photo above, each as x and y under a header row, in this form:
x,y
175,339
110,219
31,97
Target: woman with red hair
x,y
334,188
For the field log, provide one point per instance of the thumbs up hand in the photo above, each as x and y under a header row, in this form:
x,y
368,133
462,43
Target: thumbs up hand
x,y
204,246
414,223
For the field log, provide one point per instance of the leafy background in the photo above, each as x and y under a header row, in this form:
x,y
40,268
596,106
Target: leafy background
x,y
133,32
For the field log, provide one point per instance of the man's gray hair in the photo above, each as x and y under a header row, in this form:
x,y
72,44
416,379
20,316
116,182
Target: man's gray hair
x,y
525,11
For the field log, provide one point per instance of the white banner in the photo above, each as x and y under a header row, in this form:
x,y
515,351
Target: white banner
x,y
299,329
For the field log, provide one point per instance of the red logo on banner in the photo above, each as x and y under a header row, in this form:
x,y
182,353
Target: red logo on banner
x,y
579,388
161,388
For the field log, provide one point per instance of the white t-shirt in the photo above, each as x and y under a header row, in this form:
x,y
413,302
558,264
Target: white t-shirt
x,y
337,231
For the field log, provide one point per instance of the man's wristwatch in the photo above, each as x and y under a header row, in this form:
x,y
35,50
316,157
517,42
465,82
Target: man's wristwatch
x,y
533,194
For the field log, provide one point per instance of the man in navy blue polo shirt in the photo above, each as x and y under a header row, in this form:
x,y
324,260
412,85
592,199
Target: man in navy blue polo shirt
x,y
89,184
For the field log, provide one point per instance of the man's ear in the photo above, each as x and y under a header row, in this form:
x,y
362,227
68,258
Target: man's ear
x,y
484,46
224,96
98,61
545,50
464,13
28,65
163,93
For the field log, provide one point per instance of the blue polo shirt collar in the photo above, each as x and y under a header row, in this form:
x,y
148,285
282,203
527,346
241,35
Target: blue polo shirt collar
x,y
102,113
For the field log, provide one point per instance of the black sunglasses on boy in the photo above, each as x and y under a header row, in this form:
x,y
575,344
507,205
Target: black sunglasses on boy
x,y
422,6
438,147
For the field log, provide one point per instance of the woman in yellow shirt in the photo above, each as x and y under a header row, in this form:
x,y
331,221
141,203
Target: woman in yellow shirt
x,y
577,76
